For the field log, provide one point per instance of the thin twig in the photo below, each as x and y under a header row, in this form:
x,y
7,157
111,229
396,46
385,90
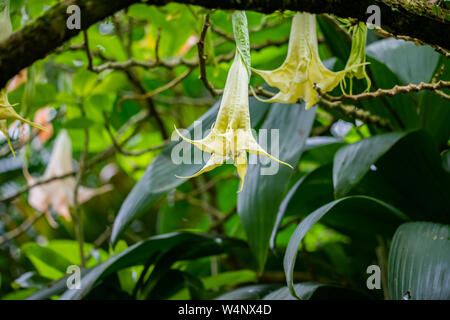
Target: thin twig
x,y
20,229
196,202
79,177
163,88
202,56
158,40
88,52
348,110
392,92
130,153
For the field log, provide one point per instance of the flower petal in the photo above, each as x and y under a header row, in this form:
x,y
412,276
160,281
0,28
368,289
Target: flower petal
x,y
248,143
240,162
214,161
212,143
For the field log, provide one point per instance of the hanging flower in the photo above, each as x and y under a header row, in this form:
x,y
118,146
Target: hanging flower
x,y
357,56
231,136
6,109
5,21
58,195
302,71
8,113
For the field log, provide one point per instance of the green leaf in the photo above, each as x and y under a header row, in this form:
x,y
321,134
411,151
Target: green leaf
x,y
413,178
262,194
84,82
186,245
47,262
55,289
19,294
78,123
159,178
230,278
338,43
315,291
434,110
44,94
397,62
255,292
352,162
411,63
307,194
29,279
51,261
372,215
419,262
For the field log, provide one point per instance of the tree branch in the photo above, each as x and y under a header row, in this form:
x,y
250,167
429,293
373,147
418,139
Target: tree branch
x,y
44,35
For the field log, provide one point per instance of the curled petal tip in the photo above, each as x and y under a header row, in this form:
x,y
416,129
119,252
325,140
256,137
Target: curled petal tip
x,y
282,162
180,177
258,98
287,164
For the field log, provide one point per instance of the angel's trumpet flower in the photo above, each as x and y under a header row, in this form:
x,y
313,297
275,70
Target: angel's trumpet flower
x,y
302,71
8,113
357,56
58,195
231,136
6,109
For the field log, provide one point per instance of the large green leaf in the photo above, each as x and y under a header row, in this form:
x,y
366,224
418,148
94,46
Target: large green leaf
x,y
352,162
307,194
255,292
406,164
419,262
372,215
397,62
187,246
411,63
51,261
434,110
259,201
315,291
413,170
160,177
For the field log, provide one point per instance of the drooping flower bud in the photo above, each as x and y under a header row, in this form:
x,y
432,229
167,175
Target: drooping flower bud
x,y
357,56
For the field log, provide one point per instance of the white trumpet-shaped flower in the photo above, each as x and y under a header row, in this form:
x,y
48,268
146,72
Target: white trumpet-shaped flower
x,y
231,136
58,195
7,111
302,71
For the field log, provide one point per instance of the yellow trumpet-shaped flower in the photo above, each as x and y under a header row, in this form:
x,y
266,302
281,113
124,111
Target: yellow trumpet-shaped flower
x,y
230,136
6,109
302,71
5,21
8,113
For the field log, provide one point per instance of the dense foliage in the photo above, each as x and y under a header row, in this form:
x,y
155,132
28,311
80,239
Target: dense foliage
x,y
369,186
